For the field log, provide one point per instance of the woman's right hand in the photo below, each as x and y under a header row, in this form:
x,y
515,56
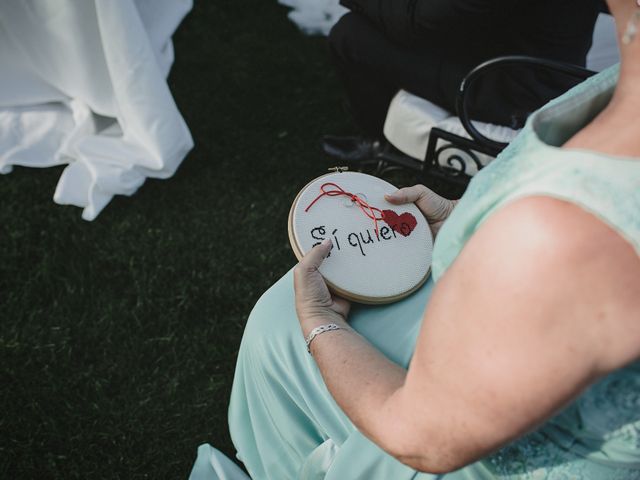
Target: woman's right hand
x,y
436,209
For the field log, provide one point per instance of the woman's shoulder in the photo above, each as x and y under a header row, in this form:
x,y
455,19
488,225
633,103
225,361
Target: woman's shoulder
x,y
565,229
608,190
592,268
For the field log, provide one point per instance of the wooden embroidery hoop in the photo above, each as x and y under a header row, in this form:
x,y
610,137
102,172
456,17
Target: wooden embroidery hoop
x,y
354,297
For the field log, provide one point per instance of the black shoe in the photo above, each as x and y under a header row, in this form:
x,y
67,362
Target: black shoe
x,y
351,148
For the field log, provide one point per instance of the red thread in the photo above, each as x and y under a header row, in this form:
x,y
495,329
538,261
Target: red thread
x,y
367,209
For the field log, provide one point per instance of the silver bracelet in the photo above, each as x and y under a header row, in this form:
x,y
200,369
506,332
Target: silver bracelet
x,y
319,330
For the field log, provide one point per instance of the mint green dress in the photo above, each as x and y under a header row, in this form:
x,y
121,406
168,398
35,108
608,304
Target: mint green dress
x,y
285,424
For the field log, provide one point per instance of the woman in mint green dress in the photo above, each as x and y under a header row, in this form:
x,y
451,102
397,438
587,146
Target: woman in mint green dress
x,y
519,358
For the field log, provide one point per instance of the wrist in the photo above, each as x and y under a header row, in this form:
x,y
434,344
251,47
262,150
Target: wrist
x,y
310,321
329,327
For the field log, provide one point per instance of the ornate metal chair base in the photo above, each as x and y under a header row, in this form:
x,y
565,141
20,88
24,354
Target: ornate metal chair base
x,y
451,160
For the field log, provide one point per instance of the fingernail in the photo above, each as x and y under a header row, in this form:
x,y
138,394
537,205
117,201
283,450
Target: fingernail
x,y
392,195
325,242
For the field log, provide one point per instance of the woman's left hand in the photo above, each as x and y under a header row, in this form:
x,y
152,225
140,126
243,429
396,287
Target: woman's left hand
x,y
315,305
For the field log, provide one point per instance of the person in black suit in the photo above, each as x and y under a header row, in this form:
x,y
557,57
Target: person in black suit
x,y
428,46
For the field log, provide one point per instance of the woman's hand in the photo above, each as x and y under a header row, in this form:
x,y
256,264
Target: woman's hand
x,y
436,209
315,305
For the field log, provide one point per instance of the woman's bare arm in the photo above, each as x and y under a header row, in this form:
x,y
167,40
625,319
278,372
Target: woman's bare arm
x,y
543,300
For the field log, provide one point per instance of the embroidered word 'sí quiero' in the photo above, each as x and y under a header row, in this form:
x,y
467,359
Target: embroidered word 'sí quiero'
x,y
381,251
401,225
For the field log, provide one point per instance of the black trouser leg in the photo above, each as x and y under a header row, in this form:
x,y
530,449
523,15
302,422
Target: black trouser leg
x,y
373,69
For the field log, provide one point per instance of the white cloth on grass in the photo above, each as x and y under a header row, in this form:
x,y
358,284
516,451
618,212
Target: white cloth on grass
x,y
212,464
314,16
83,83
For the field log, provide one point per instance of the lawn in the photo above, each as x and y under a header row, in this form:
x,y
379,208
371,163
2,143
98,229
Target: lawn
x,y
119,337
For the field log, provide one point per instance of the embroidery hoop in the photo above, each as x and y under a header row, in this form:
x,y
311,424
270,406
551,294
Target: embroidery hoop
x,y
338,285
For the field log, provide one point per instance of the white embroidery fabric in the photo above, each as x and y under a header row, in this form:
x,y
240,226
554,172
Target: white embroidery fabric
x,y
378,267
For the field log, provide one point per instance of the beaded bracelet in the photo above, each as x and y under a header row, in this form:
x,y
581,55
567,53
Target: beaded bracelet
x,y
319,330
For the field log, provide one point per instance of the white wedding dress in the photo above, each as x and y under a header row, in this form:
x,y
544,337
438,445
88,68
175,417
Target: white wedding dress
x,y
83,84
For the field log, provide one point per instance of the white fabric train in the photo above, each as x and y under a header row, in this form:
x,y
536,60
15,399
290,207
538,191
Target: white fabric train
x,y
314,16
83,83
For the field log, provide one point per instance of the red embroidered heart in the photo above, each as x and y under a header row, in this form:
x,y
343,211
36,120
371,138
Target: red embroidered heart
x,y
403,224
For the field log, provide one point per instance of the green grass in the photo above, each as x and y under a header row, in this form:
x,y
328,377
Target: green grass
x,y
119,337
